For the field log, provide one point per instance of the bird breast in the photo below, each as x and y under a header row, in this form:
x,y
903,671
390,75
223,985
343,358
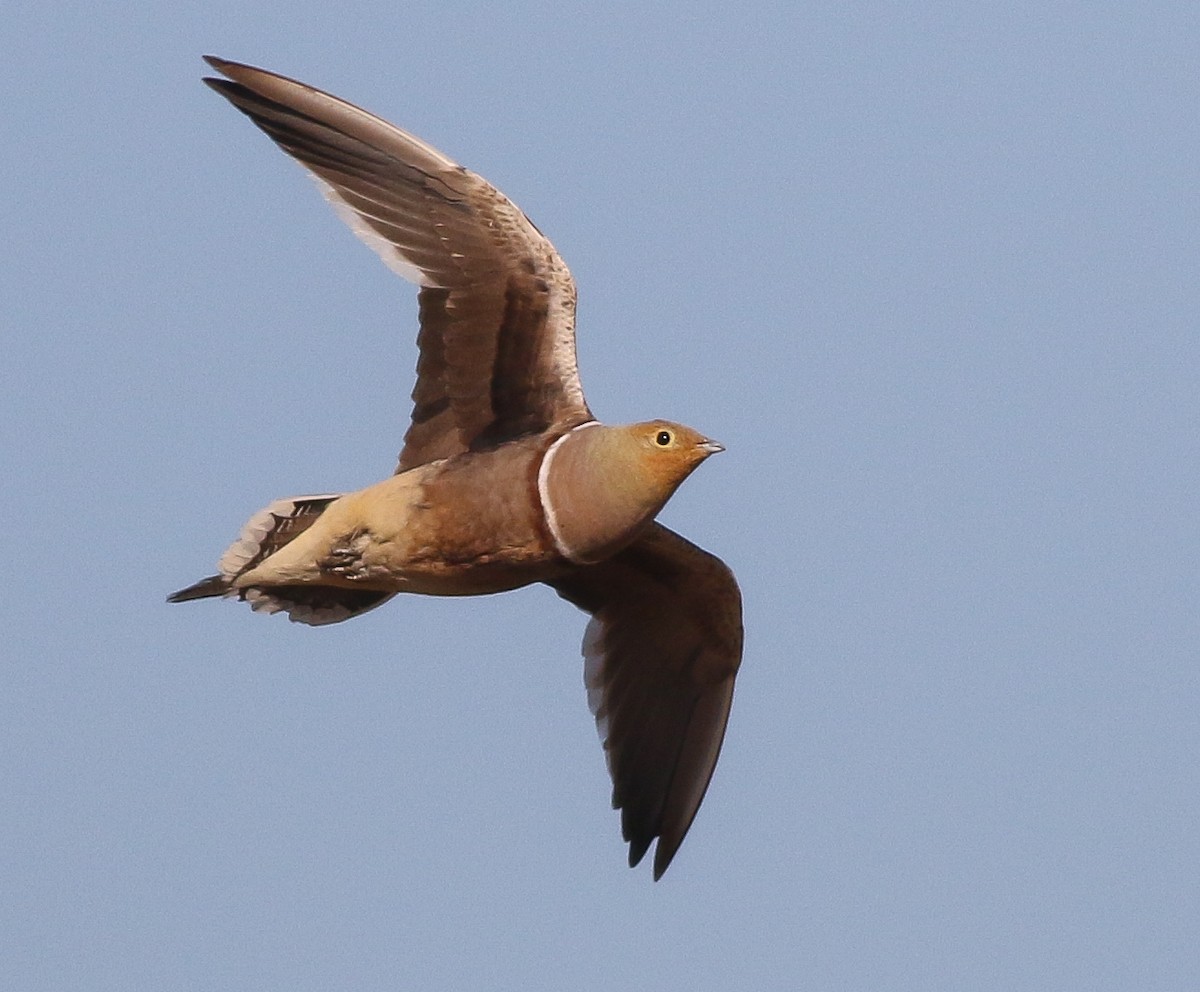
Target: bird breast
x,y
593,494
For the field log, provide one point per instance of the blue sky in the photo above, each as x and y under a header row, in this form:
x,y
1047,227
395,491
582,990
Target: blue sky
x,y
928,271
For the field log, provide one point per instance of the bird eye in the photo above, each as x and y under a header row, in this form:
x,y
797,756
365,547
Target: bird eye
x,y
663,438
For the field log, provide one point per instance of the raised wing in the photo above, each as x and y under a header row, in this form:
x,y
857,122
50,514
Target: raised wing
x,y
497,304
661,652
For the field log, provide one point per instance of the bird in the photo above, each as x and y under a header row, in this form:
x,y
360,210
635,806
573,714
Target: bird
x,y
505,478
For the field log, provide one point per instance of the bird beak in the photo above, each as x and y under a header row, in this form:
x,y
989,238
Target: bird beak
x,y
710,447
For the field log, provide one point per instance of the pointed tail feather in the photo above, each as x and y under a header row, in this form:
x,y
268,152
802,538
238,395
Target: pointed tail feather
x,y
264,534
214,585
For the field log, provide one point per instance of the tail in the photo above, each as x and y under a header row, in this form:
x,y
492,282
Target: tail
x,y
264,534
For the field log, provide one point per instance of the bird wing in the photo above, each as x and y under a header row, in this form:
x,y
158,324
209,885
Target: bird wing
x,y
497,303
661,652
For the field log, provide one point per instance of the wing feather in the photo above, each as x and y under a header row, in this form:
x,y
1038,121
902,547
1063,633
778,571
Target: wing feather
x,y
661,654
497,305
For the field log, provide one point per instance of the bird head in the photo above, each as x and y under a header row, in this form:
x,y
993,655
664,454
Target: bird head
x,y
601,485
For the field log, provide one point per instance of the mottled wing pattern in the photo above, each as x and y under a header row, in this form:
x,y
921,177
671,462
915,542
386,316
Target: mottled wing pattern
x,y
661,653
497,303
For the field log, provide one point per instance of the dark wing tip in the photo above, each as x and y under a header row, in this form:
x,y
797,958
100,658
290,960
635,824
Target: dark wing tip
x,y
664,854
226,67
662,859
638,846
223,86
241,76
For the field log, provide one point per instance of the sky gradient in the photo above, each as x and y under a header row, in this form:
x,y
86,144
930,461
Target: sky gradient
x,y
930,274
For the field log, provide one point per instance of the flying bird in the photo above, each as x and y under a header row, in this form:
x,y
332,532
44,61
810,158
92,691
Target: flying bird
x,y
505,478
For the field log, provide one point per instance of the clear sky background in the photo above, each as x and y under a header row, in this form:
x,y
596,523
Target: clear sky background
x,y
928,270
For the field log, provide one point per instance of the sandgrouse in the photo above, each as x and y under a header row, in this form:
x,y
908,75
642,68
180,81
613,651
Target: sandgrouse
x,y
505,477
